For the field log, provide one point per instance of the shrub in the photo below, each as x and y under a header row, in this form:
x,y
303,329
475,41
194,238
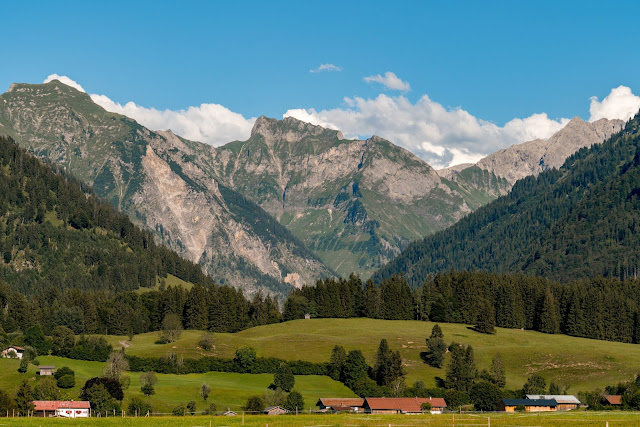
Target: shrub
x,y
139,407
147,389
66,381
211,410
520,408
254,404
179,410
425,406
65,370
191,407
206,342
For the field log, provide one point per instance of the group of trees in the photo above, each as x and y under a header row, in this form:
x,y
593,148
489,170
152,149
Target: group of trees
x,y
65,312
343,298
581,308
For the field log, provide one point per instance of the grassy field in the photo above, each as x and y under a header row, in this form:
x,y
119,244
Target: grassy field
x,y
581,363
575,419
229,390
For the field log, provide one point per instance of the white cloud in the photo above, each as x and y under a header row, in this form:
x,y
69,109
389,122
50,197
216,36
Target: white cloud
x,y
325,68
442,137
209,123
64,79
390,81
621,104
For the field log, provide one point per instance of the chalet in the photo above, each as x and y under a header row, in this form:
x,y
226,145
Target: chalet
x,y
340,405
530,405
275,410
61,408
13,352
613,399
46,369
566,402
402,405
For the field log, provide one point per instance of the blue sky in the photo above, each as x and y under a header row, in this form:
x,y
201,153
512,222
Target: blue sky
x,y
494,60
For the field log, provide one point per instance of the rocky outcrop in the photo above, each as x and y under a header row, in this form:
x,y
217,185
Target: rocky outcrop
x,y
533,157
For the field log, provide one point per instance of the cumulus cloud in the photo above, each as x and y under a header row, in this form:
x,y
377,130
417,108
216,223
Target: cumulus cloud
x,y
209,123
390,81
64,79
325,68
621,104
441,136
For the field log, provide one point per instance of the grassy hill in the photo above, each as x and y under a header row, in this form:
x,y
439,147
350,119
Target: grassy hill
x,y
582,363
228,390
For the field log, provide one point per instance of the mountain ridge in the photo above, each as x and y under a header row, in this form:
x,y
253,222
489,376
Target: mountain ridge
x,y
159,181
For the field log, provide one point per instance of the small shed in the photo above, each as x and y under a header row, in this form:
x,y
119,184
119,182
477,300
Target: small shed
x,y
13,352
46,369
307,316
229,414
613,399
275,410
530,405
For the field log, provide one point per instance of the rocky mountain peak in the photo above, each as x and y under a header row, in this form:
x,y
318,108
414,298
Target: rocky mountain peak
x,y
291,129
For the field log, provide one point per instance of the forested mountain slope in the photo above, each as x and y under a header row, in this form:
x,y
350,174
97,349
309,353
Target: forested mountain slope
x,y
580,221
160,182
55,236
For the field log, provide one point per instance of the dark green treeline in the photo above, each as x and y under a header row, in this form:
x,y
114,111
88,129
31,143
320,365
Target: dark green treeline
x,y
601,308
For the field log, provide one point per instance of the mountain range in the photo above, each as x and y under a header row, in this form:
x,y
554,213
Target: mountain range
x,y
293,203
579,221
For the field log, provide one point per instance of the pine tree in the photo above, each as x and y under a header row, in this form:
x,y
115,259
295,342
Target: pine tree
x,y
382,367
336,363
497,372
485,321
461,370
548,322
436,347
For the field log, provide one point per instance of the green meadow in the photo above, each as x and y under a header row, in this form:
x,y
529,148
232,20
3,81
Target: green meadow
x,y
581,363
228,390
575,419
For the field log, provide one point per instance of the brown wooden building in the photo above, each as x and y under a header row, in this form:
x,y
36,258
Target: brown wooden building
x,y
566,402
340,404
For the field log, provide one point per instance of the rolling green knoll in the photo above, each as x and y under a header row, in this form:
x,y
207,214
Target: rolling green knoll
x,y
581,363
228,390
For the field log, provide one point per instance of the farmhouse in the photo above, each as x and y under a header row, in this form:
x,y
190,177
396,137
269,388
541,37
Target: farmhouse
x,y
402,405
275,410
13,352
566,402
61,408
530,405
613,399
340,405
46,369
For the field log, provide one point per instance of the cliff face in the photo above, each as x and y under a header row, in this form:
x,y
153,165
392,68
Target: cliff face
x,y
162,182
533,157
356,203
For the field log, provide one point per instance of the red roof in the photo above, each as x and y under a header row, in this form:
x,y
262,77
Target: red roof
x,y
15,347
333,402
403,404
52,405
613,399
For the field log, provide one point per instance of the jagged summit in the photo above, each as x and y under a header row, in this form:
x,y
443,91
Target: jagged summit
x,y
291,129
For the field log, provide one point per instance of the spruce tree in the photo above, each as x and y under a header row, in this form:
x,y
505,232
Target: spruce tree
x,y
485,321
336,363
497,372
382,367
436,347
548,322
461,370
